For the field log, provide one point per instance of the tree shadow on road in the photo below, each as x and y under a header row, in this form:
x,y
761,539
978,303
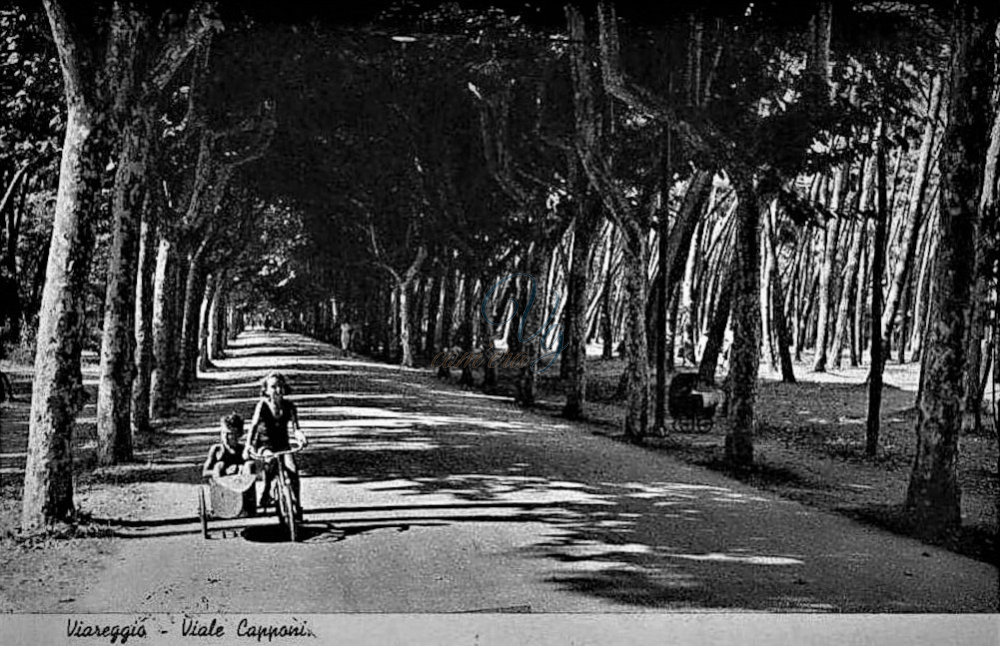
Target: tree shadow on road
x,y
392,449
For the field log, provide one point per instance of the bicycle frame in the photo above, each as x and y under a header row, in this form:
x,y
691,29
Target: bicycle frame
x,y
285,503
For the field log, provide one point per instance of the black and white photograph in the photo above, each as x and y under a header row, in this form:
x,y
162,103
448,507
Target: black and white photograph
x,y
426,321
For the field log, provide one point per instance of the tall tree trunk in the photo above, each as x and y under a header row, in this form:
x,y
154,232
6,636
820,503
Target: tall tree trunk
x,y
144,321
916,211
671,340
194,291
690,302
405,286
878,265
975,377
234,322
433,312
934,493
532,291
746,325
405,331
163,381
904,323
466,327
664,341
607,328
217,319
794,299
827,271
922,290
988,208
98,52
766,322
488,335
848,294
864,283
808,286
575,353
636,345
842,322
972,421
114,395
12,214
717,327
782,336
449,285
57,392
205,322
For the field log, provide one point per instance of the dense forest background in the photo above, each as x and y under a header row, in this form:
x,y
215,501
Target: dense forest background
x,y
807,185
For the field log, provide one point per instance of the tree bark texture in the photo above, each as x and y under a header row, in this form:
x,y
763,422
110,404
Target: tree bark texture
x,y
745,354
114,399
636,346
97,53
217,320
194,290
878,264
575,352
842,325
826,274
916,214
717,327
163,381
144,322
57,393
204,325
405,285
781,334
934,493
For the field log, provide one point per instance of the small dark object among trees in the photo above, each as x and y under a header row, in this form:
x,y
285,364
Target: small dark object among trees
x,y
691,405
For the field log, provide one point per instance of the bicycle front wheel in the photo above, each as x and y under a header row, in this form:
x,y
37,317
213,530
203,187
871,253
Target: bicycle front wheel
x,y
287,508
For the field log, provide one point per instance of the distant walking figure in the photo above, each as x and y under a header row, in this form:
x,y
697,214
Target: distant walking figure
x,y
345,337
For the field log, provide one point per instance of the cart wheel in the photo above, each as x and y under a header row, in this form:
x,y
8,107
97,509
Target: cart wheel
x,y
203,513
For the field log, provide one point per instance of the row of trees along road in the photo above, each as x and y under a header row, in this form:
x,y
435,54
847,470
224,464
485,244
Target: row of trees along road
x,y
816,177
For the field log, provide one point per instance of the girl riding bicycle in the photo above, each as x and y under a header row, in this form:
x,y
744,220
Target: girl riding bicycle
x,y
269,431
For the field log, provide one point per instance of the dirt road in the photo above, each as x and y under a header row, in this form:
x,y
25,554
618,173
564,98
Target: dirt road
x,y
422,497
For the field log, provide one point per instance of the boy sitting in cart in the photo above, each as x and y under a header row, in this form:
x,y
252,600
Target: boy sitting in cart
x,y
229,477
227,457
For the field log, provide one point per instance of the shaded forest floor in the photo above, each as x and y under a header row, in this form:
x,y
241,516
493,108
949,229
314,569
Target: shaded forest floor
x,y
811,441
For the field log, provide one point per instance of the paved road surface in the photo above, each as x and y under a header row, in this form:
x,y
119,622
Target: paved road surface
x,y
422,497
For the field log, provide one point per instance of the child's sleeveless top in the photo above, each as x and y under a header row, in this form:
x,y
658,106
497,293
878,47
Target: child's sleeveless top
x,y
228,459
273,430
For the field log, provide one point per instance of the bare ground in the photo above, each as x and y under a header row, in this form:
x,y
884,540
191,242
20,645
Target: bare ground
x,y
810,448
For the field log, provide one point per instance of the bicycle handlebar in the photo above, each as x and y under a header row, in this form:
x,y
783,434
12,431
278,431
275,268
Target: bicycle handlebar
x,y
256,455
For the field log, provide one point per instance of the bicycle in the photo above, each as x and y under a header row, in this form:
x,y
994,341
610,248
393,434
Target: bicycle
x,y
282,496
